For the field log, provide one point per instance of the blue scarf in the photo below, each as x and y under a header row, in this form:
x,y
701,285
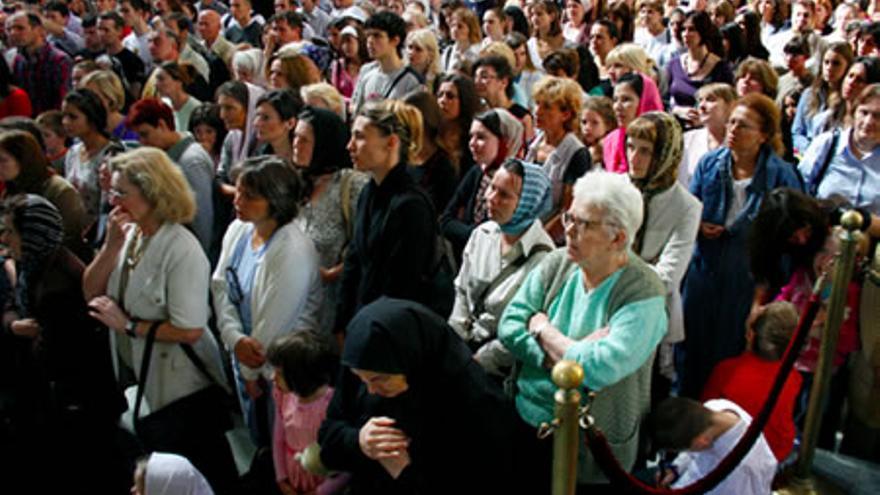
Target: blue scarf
x,y
535,200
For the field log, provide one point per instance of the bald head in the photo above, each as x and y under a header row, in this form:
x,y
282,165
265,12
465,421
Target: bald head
x,y
208,25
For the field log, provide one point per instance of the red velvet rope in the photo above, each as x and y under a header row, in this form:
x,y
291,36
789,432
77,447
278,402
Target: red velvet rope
x,y
622,480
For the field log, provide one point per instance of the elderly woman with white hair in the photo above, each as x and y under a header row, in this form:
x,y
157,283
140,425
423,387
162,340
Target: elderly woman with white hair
x,y
598,304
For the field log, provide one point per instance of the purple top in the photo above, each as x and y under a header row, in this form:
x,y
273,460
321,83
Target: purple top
x,y
683,89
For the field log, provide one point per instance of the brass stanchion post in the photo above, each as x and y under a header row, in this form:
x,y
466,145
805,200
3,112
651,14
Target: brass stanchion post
x,y
568,376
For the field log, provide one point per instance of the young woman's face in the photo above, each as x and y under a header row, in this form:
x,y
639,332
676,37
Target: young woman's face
x,y
539,19
269,125
626,104
277,80
232,113
303,144
492,26
748,83
593,127
690,35
165,84
833,67
386,385
855,81
75,123
459,31
574,11
349,46
368,147
639,153
483,144
616,70
713,111
9,166
417,55
206,136
449,101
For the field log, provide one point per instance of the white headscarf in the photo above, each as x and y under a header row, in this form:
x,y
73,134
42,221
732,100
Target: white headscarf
x,y
171,474
242,140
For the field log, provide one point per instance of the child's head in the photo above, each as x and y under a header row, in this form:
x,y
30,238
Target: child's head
x,y
304,362
52,130
772,330
678,423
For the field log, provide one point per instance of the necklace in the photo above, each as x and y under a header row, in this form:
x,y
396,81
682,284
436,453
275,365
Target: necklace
x,y
700,67
136,250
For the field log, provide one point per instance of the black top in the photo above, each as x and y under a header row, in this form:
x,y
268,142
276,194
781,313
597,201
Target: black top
x,y
132,66
457,221
392,249
437,177
458,423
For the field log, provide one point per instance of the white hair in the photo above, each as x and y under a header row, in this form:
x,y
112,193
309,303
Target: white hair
x,y
615,196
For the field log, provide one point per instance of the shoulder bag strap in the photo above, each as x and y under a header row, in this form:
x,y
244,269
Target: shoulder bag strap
x,y
406,70
480,303
818,173
145,369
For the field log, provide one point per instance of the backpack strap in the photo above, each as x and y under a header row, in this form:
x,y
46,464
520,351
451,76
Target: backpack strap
x,y
818,173
406,70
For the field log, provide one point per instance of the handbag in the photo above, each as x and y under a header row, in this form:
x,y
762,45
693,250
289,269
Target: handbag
x,y
205,411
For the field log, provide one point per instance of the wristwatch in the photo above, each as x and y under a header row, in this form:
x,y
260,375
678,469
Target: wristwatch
x,y
131,327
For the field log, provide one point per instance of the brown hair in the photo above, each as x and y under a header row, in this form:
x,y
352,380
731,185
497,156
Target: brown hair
x,y
769,114
34,167
762,71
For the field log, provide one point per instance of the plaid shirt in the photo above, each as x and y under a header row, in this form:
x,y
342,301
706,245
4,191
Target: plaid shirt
x,y
45,76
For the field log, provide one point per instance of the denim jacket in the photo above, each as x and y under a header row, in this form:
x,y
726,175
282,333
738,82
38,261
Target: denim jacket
x,y
713,185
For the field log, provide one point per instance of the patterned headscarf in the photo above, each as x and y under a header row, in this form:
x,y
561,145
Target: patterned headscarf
x,y
39,226
663,172
320,55
535,200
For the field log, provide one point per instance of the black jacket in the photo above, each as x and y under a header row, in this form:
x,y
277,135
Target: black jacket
x,y
457,221
393,245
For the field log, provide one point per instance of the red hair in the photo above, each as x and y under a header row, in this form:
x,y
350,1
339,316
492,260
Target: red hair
x,y
150,111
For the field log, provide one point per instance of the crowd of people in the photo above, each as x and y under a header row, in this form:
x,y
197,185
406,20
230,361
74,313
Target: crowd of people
x,y
368,229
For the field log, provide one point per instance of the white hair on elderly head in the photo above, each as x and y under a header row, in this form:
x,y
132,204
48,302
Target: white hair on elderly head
x,y
615,196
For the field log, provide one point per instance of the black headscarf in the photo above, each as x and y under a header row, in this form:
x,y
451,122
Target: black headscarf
x,y
39,226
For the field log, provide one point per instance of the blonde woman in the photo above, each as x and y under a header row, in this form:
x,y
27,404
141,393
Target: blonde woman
x,y
557,145
323,95
465,30
107,86
150,281
714,103
423,54
629,57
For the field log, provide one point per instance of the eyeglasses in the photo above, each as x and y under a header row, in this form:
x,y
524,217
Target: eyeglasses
x,y
570,220
484,76
117,194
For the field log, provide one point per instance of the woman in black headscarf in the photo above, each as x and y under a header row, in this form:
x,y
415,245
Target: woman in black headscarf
x,y
61,383
330,198
412,411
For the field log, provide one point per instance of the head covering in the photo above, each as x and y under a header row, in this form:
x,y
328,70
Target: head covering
x,y
331,138
171,474
40,228
320,55
349,31
614,146
663,172
535,200
507,128
402,337
242,141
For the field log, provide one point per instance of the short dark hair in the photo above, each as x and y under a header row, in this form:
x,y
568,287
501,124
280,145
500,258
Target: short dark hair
x,y
150,111
502,69
113,16
89,20
307,360
610,27
389,22
139,5
797,45
677,422
293,19
57,6
275,179
26,124
236,90
564,59
179,19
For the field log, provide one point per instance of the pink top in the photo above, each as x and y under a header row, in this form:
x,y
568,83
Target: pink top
x,y
614,145
797,291
296,427
341,79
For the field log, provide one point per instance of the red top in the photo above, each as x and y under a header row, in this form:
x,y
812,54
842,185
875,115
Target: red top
x,y
746,380
18,103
